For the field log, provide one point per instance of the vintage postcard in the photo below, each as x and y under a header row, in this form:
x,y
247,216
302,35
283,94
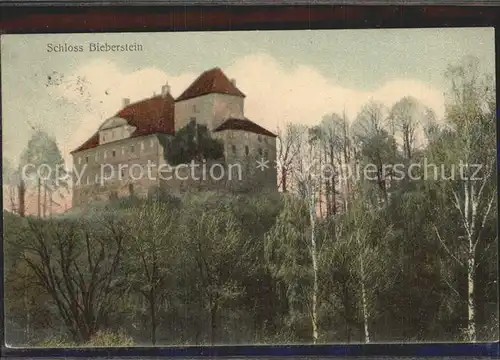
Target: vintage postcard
x,y
252,187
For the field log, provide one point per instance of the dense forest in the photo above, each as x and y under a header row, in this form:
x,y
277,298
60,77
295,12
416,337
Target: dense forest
x,y
406,251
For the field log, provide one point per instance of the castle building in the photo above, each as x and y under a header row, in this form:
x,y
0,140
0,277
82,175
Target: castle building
x,y
127,155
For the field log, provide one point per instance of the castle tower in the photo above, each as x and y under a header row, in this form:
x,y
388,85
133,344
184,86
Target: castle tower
x,y
210,100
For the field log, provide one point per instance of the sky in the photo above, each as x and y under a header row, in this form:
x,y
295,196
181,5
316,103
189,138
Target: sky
x,y
287,76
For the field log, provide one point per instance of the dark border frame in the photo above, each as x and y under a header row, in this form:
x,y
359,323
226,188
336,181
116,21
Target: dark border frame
x,y
60,19
31,19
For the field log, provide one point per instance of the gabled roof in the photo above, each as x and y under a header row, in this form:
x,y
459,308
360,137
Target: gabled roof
x,y
244,125
153,115
211,81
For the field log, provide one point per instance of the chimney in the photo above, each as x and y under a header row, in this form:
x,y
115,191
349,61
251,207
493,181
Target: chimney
x,y
165,90
126,102
233,81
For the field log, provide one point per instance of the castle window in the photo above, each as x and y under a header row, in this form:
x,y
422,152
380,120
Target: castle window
x,y
259,138
234,149
131,148
113,153
246,150
260,151
86,159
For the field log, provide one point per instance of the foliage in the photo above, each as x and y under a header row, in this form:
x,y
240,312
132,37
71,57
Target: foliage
x,y
193,142
107,339
220,268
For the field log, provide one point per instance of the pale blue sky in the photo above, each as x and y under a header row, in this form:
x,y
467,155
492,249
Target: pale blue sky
x,y
358,60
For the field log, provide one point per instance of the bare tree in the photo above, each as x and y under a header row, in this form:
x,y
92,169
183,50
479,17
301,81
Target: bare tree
x,y
407,115
375,143
76,262
288,151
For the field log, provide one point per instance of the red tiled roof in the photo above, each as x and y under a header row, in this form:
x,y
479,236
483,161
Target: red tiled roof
x,y
245,125
154,115
211,81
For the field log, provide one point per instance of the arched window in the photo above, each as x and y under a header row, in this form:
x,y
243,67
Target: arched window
x,y
247,151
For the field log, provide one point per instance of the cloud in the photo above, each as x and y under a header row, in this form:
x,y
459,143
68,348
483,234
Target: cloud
x,y
275,94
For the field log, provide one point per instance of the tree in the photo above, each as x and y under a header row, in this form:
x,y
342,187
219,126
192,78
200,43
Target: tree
x,y
42,164
338,281
151,250
407,115
213,244
288,152
471,144
193,142
77,262
367,236
310,178
329,136
376,145
10,183
287,254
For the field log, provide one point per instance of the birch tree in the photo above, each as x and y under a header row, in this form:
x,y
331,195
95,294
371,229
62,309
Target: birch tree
x,y
309,177
472,190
